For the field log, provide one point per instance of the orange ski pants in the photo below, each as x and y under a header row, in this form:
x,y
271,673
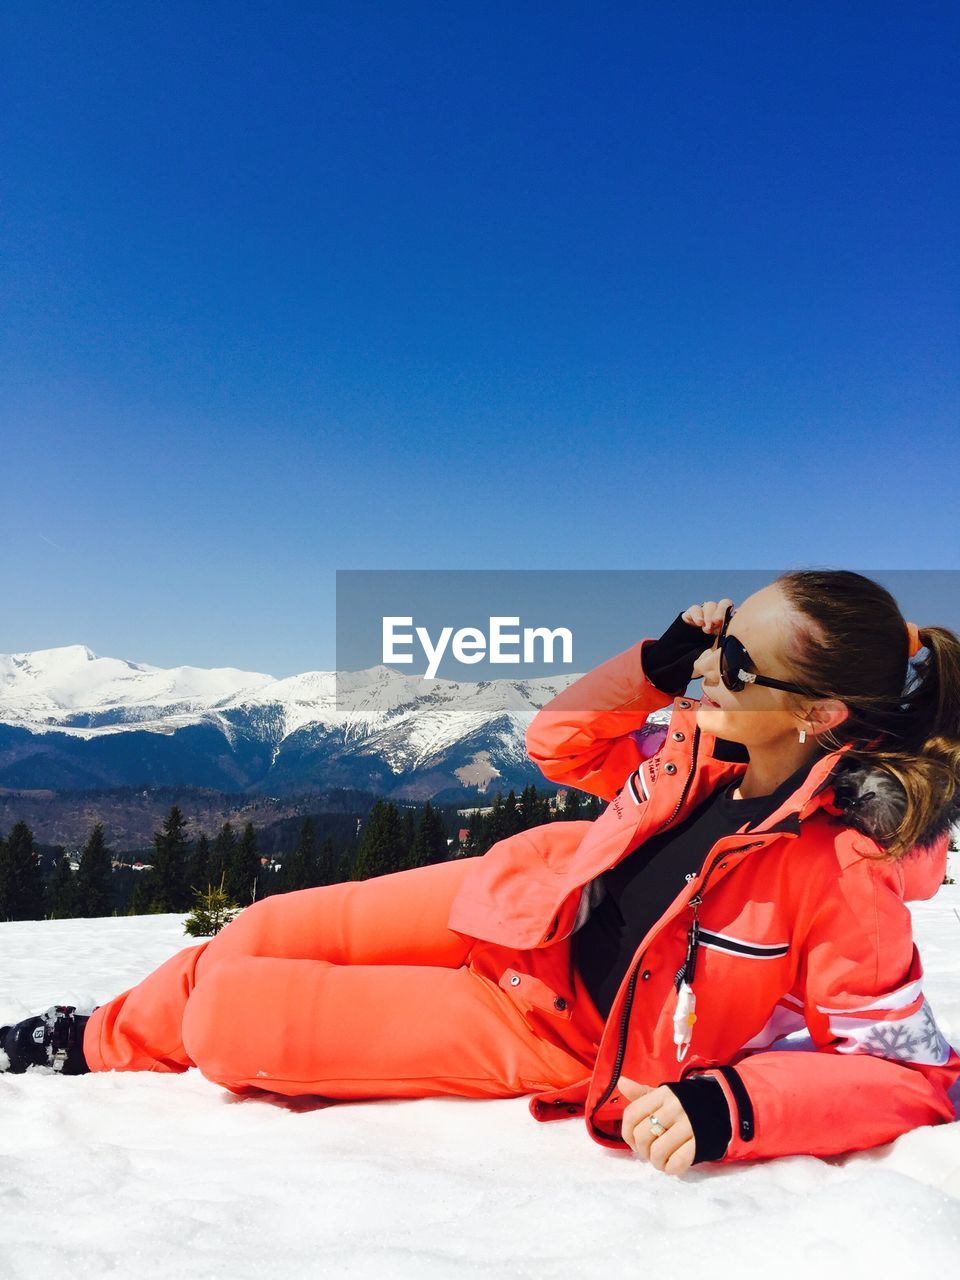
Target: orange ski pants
x,y
356,990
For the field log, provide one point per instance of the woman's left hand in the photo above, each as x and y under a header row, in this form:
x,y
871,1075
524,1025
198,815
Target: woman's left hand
x,y
673,1151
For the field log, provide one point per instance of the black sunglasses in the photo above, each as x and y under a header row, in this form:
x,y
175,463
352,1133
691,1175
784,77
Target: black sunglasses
x,y
735,663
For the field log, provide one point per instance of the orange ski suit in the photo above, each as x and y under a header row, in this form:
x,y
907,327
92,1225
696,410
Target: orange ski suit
x,y
457,978
355,990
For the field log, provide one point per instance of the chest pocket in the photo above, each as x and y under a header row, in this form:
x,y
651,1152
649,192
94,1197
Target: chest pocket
x,y
733,946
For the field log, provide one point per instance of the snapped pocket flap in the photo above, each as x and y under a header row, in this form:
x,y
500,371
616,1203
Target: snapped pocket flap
x,y
533,993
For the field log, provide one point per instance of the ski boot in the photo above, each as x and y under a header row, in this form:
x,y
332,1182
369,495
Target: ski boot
x,y
51,1039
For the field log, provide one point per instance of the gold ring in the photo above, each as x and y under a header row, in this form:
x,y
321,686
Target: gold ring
x,y
656,1126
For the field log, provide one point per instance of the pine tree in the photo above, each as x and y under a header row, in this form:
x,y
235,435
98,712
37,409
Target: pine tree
x,y
198,868
62,890
512,815
243,870
168,880
300,867
332,867
534,807
430,844
141,900
212,910
222,853
380,849
408,838
497,819
21,880
94,889
476,842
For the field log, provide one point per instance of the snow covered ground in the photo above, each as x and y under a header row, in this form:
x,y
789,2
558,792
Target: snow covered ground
x,y
169,1175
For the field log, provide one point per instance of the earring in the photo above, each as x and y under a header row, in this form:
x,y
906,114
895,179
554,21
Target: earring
x,y
803,735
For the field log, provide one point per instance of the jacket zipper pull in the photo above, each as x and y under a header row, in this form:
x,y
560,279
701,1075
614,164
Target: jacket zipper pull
x,y
687,969
683,1019
684,1015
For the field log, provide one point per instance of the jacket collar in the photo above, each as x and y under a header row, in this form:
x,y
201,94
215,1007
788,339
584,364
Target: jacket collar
x,y
814,791
866,798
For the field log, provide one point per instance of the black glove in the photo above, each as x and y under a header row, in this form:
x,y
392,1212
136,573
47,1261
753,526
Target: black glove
x,y
668,662
702,1099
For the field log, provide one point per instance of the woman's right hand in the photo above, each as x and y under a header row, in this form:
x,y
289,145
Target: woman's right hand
x,y
707,616
668,662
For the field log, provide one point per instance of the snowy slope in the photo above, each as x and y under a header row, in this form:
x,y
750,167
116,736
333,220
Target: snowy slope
x,y
170,1176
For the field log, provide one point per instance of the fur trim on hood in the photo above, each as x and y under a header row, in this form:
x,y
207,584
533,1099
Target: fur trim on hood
x,y
873,802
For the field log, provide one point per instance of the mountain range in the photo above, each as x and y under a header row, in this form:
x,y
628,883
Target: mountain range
x,y
72,720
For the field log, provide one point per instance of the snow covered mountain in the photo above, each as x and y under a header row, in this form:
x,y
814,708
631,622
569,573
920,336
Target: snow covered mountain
x,y
70,719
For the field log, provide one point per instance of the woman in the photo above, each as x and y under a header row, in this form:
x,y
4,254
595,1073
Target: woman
x,y
746,882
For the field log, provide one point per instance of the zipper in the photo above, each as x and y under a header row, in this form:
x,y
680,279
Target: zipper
x,y
684,1016
726,854
686,971
693,940
632,983
692,946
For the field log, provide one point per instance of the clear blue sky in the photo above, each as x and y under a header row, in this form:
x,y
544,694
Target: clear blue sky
x,y
291,288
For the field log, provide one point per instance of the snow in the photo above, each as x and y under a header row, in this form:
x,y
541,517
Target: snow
x,y
42,688
412,720
160,1175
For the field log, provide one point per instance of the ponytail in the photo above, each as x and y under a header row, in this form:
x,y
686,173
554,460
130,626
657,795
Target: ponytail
x,y
852,638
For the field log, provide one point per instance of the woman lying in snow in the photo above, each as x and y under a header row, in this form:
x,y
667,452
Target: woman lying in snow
x,y
721,967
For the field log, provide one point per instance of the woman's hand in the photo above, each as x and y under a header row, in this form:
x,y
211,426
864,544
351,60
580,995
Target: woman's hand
x,y
668,663
675,1149
707,616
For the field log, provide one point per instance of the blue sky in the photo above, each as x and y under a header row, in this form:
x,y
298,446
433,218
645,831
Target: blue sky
x,y
293,288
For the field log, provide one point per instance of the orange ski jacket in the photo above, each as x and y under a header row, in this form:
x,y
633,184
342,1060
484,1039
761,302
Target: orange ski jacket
x,y
810,1010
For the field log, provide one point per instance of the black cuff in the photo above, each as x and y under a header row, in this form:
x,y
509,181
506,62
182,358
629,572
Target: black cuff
x,y
668,662
704,1101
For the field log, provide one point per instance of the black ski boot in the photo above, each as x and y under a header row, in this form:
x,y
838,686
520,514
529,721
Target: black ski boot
x,y
51,1039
